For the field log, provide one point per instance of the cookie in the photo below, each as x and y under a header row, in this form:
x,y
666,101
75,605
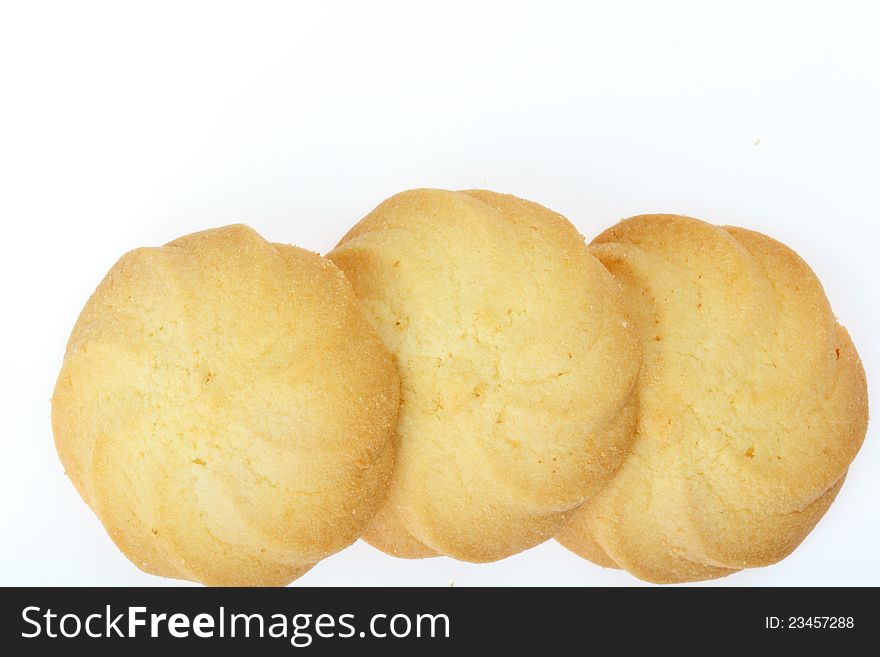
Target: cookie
x,y
517,369
751,404
226,410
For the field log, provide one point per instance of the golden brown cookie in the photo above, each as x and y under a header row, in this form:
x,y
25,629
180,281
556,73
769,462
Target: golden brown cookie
x,y
751,404
226,410
517,367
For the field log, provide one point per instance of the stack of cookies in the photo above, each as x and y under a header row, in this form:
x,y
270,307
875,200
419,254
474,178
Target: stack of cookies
x,y
464,376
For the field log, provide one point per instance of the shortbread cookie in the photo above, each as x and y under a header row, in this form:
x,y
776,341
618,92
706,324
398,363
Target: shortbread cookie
x,y
751,404
226,410
517,367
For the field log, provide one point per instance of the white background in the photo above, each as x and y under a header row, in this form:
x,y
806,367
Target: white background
x,y
128,124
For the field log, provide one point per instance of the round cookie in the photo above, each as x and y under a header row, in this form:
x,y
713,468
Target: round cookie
x,y
752,403
517,369
226,410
